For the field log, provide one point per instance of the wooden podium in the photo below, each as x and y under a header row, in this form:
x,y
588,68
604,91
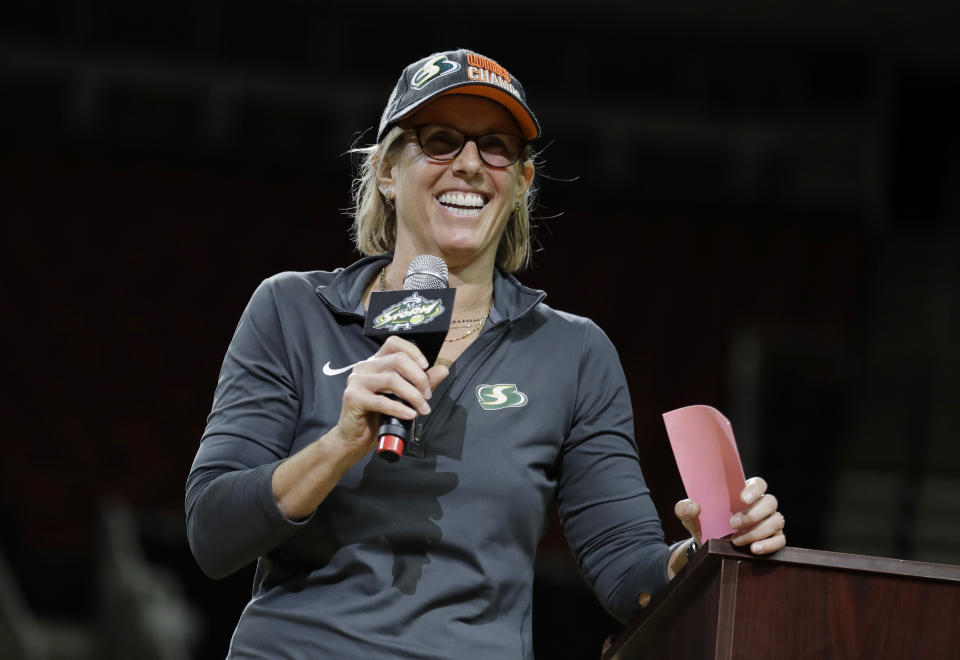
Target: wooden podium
x,y
728,604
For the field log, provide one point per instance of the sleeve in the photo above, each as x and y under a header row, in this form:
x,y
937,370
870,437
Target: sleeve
x,y
608,517
232,517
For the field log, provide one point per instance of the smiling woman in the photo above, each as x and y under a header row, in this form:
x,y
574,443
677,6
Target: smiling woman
x,y
455,206
431,556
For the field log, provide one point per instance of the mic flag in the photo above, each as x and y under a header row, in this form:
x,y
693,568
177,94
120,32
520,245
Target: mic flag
x,y
422,317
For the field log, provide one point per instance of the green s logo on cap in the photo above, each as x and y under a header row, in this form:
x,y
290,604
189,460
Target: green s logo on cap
x,y
495,397
433,69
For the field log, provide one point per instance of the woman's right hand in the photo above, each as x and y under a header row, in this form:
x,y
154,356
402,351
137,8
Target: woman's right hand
x,y
398,368
302,481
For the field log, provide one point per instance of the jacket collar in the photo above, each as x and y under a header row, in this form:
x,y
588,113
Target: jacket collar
x,y
344,294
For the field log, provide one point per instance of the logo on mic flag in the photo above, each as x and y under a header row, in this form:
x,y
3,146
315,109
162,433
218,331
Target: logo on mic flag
x,y
412,311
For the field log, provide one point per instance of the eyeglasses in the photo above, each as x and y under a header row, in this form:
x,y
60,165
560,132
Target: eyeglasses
x,y
445,143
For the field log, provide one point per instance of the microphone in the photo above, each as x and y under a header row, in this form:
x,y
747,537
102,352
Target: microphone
x,y
426,272
420,313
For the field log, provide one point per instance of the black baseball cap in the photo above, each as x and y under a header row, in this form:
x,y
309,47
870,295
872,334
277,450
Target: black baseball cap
x,y
457,72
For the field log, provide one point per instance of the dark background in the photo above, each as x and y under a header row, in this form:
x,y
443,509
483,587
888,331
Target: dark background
x,y
757,201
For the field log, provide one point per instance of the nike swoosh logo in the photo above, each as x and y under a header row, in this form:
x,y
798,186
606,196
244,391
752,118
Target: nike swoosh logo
x,y
330,371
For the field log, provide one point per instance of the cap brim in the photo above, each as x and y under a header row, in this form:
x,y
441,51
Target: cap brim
x,y
524,118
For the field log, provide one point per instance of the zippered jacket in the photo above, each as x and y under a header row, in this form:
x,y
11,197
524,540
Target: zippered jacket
x,y
431,556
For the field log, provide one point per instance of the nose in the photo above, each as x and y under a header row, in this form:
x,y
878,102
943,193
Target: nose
x,y
468,161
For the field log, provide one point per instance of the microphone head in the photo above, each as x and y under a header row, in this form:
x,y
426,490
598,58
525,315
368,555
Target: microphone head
x,y
426,272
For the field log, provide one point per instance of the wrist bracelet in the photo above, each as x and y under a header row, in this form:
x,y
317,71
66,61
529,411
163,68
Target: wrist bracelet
x,y
690,547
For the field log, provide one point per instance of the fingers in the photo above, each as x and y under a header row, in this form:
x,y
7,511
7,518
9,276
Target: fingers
x,y
358,401
688,512
436,374
394,374
396,344
760,524
754,489
398,369
686,509
760,509
769,545
765,536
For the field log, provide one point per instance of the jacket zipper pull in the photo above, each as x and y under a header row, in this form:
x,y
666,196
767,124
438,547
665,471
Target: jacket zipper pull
x,y
415,443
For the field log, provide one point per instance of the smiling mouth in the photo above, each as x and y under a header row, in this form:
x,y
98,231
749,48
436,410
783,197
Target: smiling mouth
x,y
462,204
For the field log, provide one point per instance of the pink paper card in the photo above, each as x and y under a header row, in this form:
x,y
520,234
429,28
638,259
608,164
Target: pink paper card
x,y
709,463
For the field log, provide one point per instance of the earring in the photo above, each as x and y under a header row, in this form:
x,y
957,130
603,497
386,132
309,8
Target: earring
x,y
516,210
388,198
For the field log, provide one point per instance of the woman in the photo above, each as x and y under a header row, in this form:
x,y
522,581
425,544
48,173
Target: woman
x,y
432,556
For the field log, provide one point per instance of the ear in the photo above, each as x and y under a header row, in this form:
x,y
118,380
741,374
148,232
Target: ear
x,y
385,173
526,176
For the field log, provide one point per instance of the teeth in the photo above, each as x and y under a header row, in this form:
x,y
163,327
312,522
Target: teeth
x,y
461,199
456,210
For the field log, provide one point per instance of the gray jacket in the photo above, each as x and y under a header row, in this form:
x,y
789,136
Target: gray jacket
x,y
432,556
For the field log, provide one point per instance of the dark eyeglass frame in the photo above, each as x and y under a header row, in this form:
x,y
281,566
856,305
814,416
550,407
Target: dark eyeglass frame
x,y
476,139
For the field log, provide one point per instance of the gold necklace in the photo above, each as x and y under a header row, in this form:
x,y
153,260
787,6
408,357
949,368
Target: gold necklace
x,y
467,321
471,325
473,328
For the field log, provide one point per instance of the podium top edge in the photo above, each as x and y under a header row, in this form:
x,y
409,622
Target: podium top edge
x,y
840,560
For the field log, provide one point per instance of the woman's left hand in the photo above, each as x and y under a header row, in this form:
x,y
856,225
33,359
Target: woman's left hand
x,y
759,524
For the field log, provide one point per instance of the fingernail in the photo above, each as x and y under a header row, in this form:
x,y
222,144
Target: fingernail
x,y
749,497
422,361
736,520
737,540
427,393
426,409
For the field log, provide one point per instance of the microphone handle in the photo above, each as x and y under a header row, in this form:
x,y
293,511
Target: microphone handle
x,y
392,436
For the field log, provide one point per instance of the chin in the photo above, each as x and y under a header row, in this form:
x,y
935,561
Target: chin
x,y
458,240
461,252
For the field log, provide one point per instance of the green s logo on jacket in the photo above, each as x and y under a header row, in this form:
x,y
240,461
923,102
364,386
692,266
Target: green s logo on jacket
x,y
495,397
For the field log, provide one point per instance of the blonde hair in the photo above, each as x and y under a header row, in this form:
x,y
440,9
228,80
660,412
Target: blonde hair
x,y
375,223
